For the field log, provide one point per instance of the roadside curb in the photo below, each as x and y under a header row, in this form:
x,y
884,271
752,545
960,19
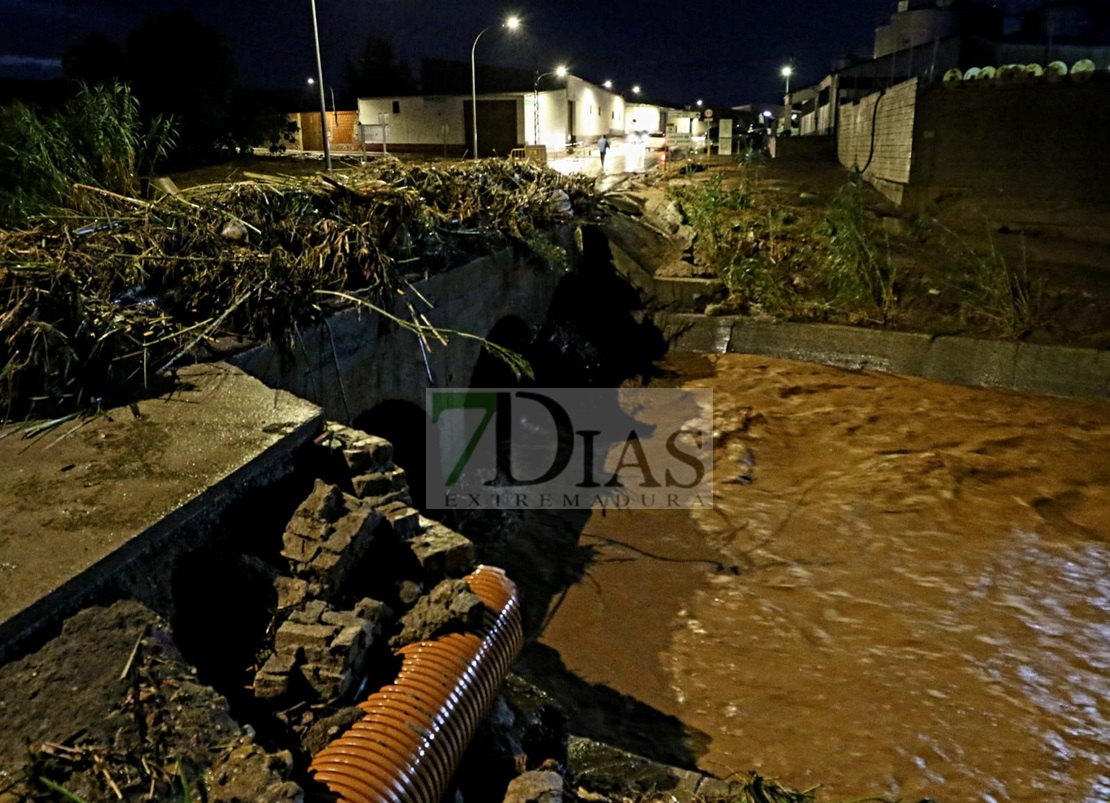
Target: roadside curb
x,y
1029,367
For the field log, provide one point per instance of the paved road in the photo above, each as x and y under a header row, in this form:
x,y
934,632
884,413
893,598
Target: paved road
x,y
622,158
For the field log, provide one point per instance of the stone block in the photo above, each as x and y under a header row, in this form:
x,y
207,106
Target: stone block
x,y
405,520
374,611
279,664
714,790
270,687
326,680
442,550
341,618
367,454
310,614
272,680
538,786
291,592
325,503
379,483
298,549
311,640
450,607
360,450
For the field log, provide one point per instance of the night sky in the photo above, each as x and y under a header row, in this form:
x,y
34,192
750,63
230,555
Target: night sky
x,y
726,53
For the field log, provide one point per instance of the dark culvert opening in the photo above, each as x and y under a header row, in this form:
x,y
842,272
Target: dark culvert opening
x,y
222,609
223,594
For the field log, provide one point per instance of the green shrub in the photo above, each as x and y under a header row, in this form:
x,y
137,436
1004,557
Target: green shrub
x,y
860,280
98,138
707,206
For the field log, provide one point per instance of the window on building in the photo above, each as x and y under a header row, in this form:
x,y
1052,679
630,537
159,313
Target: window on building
x,y
396,107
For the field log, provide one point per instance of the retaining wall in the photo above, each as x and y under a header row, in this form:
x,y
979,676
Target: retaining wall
x,y
1031,138
357,359
876,135
1057,370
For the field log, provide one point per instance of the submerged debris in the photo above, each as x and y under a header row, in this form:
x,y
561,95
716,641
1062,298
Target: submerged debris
x,y
98,306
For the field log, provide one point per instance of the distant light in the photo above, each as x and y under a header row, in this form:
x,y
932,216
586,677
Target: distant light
x,y
512,23
561,71
768,115
794,116
699,101
608,84
636,89
311,81
787,71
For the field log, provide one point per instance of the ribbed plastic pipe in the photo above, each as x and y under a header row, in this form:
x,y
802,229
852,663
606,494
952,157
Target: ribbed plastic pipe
x,y
409,744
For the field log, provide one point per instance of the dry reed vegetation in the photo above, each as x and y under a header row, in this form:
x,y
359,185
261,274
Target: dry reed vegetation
x,y
102,297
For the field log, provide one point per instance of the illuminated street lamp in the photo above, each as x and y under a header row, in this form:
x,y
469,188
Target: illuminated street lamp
x,y
561,72
608,84
320,80
636,89
331,89
787,71
512,23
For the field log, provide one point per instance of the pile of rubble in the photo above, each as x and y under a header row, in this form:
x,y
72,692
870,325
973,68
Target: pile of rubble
x,y
112,710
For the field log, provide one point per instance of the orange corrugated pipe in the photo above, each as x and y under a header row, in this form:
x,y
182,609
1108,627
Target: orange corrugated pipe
x,y
409,744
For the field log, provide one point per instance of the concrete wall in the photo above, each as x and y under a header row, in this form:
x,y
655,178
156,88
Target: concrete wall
x,y
1039,139
429,122
593,107
641,117
1055,370
358,359
876,136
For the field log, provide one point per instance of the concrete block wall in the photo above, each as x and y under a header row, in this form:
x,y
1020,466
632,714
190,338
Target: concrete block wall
x,y
876,136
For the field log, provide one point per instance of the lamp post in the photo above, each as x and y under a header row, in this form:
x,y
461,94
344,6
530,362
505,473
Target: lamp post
x,y
787,71
331,89
320,81
511,23
560,71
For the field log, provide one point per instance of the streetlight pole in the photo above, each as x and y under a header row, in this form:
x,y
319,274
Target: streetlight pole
x,y
559,71
511,22
320,80
787,71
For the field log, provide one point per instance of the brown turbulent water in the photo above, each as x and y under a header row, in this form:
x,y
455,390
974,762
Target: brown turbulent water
x,y
916,599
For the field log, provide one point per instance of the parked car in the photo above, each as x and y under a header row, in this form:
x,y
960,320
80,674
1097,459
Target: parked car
x,y
655,141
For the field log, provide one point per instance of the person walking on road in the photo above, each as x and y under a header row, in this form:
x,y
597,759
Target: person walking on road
x,y
602,147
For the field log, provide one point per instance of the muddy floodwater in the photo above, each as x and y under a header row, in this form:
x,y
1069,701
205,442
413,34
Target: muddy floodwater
x,y
903,589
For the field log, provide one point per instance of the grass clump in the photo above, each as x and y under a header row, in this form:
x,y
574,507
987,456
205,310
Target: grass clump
x,y
860,281
708,206
994,293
